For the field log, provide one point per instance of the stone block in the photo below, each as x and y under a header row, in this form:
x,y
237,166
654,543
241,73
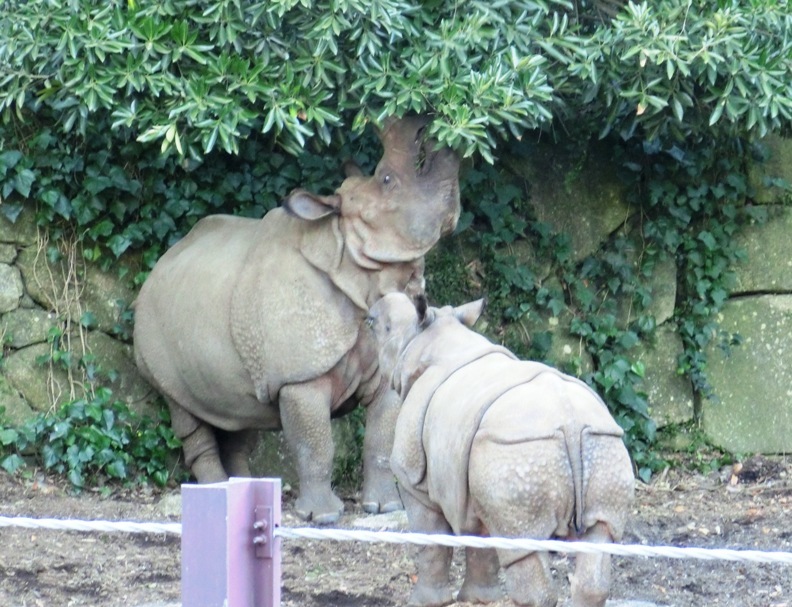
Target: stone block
x,y
16,409
777,165
577,193
663,286
768,267
94,290
26,326
670,395
753,383
11,288
23,231
44,284
113,356
44,385
33,380
271,457
8,253
568,352
106,294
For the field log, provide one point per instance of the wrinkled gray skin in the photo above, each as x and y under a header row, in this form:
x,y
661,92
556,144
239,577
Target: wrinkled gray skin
x,y
487,444
247,324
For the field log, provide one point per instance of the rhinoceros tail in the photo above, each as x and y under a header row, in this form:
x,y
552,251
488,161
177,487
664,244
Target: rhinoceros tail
x,y
574,444
574,439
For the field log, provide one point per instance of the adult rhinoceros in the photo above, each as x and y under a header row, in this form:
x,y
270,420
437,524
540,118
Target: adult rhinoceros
x,y
247,324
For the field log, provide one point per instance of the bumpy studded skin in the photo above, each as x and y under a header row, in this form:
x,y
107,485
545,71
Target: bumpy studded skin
x,y
489,444
250,324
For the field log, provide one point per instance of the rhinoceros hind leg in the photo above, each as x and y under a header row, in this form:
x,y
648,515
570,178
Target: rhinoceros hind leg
x,y
199,444
202,457
380,493
529,583
433,588
305,416
590,583
481,583
235,450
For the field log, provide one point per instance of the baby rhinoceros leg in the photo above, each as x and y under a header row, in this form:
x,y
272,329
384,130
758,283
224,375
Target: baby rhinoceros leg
x,y
608,495
522,489
433,588
591,582
481,583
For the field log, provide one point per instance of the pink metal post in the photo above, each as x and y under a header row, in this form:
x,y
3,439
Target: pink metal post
x,y
229,555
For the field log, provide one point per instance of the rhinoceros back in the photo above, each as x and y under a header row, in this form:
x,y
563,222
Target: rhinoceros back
x,y
559,408
439,420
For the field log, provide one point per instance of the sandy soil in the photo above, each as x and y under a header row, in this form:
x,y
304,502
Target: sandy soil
x,y
740,508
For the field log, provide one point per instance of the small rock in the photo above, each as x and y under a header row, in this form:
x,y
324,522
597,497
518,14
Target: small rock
x,y
170,506
390,521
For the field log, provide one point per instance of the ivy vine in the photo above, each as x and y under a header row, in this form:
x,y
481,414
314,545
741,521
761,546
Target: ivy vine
x,y
689,205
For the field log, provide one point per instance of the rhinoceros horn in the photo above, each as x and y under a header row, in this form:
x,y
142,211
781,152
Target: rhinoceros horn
x,y
409,203
403,139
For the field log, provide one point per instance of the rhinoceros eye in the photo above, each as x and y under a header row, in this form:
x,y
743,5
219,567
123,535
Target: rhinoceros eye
x,y
386,180
369,321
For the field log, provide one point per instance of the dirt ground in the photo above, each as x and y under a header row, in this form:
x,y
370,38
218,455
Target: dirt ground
x,y
740,508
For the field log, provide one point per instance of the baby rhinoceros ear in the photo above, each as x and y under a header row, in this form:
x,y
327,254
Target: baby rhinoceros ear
x,y
470,312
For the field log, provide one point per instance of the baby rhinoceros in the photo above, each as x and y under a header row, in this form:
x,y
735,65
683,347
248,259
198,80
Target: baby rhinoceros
x,y
487,444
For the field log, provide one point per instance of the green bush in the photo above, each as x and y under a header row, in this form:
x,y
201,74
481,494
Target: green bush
x,y
92,442
196,75
125,122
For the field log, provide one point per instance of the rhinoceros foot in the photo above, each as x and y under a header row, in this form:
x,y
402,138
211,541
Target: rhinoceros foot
x,y
319,505
380,494
374,506
479,594
430,596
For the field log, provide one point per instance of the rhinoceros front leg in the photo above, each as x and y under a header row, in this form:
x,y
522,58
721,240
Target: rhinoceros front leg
x,y
380,493
305,416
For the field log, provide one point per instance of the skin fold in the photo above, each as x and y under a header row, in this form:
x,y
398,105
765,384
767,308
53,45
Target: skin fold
x,y
487,444
256,324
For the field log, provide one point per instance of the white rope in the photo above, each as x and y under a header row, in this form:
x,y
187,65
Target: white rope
x,y
423,539
73,525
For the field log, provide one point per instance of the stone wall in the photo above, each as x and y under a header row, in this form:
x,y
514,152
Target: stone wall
x,y
40,299
752,411
52,303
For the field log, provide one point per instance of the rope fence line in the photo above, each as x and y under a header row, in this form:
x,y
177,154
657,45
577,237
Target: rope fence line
x,y
393,537
101,526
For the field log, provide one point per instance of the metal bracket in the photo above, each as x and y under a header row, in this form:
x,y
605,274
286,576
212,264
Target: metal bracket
x,y
263,527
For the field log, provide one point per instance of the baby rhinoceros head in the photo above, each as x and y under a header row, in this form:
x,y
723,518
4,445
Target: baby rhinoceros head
x,y
395,320
398,323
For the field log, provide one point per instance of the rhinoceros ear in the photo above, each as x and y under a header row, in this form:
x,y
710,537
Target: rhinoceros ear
x,y
421,306
470,312
310,206
426,315
352,169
